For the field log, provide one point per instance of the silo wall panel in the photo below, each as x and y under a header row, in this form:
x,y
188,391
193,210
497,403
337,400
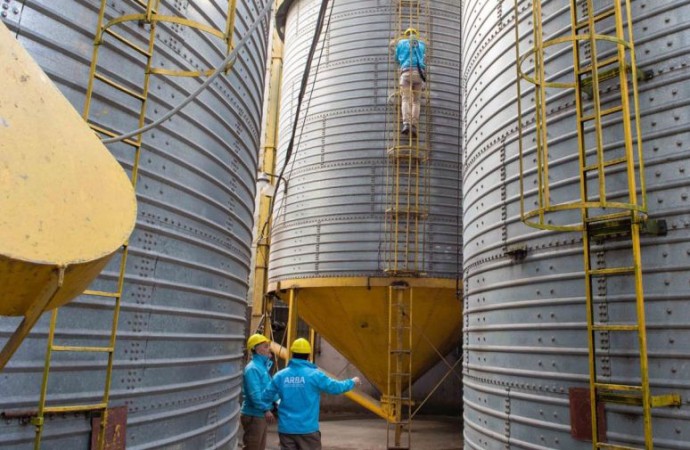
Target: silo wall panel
x,y
178,359
329,221
525,337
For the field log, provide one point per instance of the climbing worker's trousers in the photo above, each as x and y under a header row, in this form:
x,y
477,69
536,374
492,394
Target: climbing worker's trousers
x,y
411,86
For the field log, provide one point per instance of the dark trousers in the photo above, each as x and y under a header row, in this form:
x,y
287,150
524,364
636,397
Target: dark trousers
x,y
254,432
311,441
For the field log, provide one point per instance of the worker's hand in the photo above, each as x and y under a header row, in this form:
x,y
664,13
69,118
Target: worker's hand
x,y
270,418
357,381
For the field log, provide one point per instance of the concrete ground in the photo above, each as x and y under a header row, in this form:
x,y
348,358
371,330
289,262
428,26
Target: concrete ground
x,y
358,433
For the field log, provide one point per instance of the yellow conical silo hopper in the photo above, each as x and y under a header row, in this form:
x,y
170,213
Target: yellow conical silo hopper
x,y
352,314
66,204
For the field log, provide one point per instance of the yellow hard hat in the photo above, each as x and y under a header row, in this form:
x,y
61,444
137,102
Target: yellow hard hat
x,y
302,346
254,340
411,31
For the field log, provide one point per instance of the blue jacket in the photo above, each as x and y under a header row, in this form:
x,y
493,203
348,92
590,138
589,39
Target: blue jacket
x,y
299,387
256,379
407,58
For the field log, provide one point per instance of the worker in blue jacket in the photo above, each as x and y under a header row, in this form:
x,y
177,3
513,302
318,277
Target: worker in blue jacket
x,y
410,53
256,414
299,387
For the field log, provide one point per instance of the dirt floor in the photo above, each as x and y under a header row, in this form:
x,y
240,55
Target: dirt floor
x,y
356,433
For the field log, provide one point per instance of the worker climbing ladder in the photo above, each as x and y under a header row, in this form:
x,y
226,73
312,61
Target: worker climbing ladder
x,y
598,59
407,170
399,398
112,33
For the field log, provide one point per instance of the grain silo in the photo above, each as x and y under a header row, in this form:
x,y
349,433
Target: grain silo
x,y
531,347
176,375
334,244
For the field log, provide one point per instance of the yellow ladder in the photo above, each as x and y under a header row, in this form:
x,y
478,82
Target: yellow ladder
x,y
407,171
610,58
399,388
598,223
148,14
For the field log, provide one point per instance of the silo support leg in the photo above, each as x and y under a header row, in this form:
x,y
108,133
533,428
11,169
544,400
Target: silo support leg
x,y
292,318
30,318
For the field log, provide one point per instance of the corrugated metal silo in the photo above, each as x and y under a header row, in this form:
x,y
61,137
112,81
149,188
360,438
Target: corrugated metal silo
x,y
178,361
328,227
525,326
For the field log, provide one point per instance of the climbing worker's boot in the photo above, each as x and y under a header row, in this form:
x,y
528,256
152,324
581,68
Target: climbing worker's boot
x,y
405,129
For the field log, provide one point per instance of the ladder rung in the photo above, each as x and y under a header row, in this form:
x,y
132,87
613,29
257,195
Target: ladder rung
x,y
403,399
616,447
100,129
609,163
119,86
103,293
611,271
599,17
401,351
128,43
407,211
603,113
618,387
635,399
75,408
76,348
600,64
614,327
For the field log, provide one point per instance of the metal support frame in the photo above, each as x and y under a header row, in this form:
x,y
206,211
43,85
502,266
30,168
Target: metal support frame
x,y
597,220
106,29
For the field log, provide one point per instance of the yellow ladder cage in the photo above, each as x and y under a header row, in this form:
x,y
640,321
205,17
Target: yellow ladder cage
x,y
109,32
407,171
599,213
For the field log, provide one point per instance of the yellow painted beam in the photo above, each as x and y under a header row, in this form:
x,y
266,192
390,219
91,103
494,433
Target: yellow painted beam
x,y
261,305
416,282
